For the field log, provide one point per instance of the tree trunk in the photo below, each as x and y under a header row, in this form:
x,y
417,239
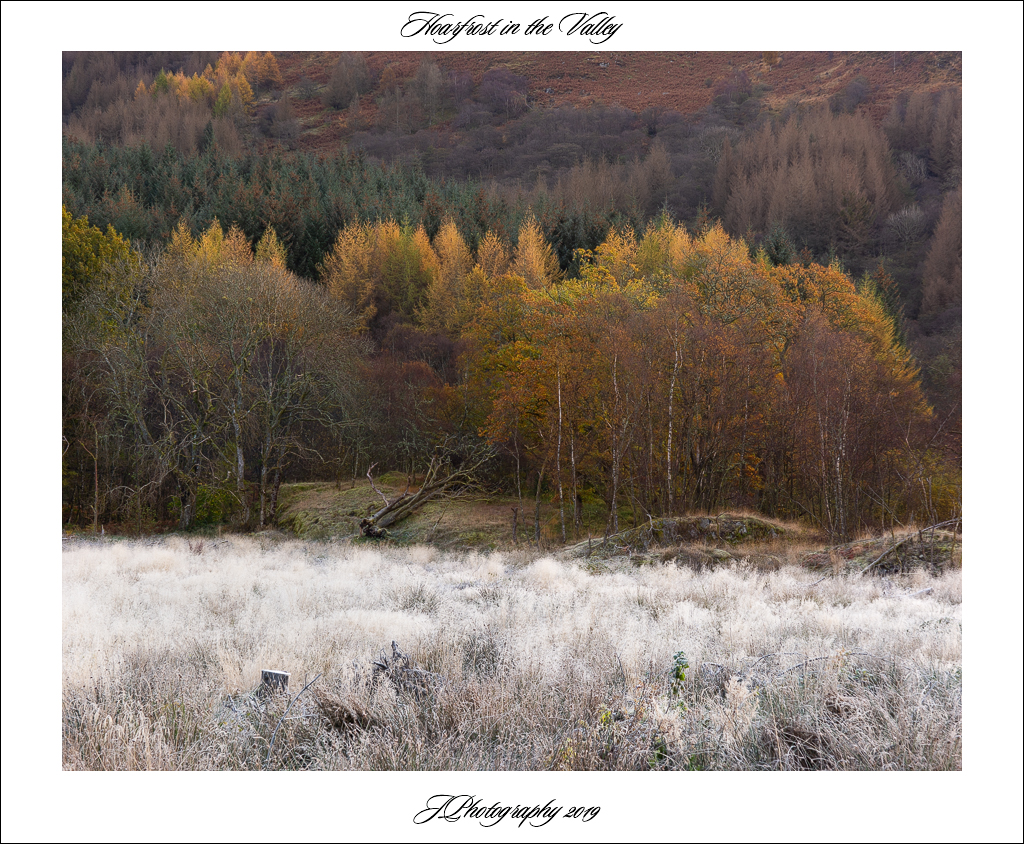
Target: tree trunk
x,y
668,449
519,488
558,460
190,481
577,515
96,483
616,445
240,466
536,512
273,495
263,494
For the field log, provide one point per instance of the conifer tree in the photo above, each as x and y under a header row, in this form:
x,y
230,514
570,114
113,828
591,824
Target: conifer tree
x,y
942,268
534,259
222,107
270,250
448,306
492,256
269,71
245,95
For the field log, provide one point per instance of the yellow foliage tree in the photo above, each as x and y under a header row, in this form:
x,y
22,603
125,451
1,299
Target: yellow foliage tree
x,y
492,256
269,71
199,89
534,259
270,250
618,254
224,100
448,306
380,268
245,95
229,63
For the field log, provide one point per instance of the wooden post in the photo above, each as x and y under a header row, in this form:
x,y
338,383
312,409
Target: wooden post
x,y
273,681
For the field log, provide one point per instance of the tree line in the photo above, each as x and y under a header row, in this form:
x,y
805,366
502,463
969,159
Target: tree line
x,y
669,371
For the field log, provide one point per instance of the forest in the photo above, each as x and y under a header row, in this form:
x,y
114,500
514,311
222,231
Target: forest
x,y
285,267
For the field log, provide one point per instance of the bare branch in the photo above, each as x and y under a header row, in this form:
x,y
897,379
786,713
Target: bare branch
x,y
283,717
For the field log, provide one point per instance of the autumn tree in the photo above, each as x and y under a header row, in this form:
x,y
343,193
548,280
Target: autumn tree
x,y
534,259
284,123
829,191
379,269
429,86
222,107
101,278
493,256
448,303
89,258
679,373
270,71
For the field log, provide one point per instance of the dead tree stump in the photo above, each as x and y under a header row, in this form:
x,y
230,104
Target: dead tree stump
x,y
273,681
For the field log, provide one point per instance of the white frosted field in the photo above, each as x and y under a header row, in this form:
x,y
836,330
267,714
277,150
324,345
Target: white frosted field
x,y
536,662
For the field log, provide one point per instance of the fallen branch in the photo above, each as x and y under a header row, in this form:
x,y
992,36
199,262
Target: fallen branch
x,y
281,721
918,534
886,553
941,524
373,486
806,662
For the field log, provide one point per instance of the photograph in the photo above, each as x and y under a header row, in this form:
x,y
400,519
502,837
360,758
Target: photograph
x,y
489,411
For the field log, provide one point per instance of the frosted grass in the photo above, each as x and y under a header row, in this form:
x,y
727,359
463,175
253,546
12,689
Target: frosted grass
x,y
535,641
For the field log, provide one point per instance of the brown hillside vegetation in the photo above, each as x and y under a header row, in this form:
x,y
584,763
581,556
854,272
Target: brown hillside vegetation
x,y
685,81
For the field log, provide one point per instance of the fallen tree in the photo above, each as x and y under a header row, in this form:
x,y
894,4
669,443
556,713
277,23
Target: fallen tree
x,y
449,470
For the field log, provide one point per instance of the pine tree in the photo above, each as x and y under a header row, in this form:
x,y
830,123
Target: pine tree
x,y
492,256
245,95
269,71
942,269
87,255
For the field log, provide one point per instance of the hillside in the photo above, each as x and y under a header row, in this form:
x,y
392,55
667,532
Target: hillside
x,y
685,82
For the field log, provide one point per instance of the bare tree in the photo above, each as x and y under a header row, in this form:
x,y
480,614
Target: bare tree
x,y
217,364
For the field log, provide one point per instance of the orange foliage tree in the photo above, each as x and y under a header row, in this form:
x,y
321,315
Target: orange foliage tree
x,y
679,373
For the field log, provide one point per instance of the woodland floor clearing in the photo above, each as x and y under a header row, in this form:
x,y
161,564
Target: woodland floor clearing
x,y
507,661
